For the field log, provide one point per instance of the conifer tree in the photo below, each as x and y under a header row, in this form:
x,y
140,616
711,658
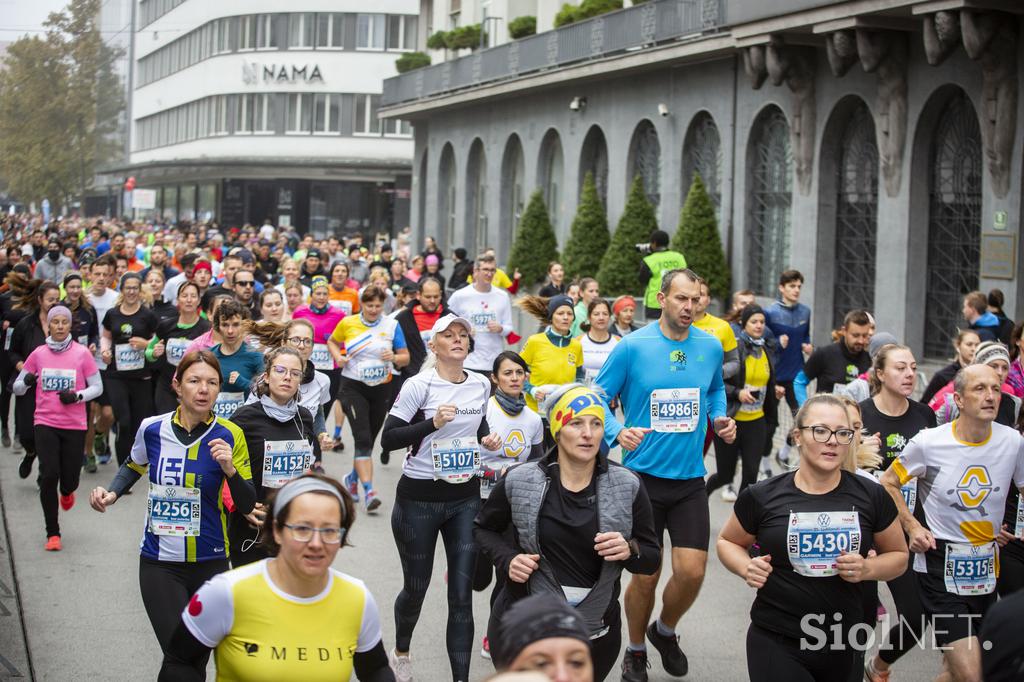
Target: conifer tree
x,y
535,243
588,237
698,240
620,265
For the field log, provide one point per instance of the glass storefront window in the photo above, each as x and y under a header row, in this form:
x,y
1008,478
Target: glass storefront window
x,y
207,207
170,204
187,206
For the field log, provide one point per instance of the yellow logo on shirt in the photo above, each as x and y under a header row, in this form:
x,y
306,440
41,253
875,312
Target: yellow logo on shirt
x,y
973,488
515,443
571,357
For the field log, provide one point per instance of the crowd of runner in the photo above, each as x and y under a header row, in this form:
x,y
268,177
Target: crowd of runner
x,y
211,363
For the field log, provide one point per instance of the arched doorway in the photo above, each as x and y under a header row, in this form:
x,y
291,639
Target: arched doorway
x,y
594,160
645,160
513,186
702,153
954,221
770,164
476,197
550,171
446,204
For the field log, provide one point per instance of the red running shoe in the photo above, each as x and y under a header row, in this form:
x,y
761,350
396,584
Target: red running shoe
x,y
67,501
53,543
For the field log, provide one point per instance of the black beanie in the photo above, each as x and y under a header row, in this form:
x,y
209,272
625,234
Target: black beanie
x,y
748,312
530,620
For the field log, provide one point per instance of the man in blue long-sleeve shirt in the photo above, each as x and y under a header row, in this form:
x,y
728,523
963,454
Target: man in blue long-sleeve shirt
x,y
790,321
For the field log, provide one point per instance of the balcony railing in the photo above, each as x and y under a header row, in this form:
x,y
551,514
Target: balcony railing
x,y
652,23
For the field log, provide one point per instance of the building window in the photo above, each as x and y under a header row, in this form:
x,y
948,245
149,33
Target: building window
x,y
326,113
300,109
594,160
300,30
370,31
223,36
367,122
219,111
645,160
257,32
702,154
770,164
954,222
551,170
401,32
856,217
329,30
253,114
394,127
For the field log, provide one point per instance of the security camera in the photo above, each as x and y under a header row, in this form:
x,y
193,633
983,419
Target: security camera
x,y
578,104
662,109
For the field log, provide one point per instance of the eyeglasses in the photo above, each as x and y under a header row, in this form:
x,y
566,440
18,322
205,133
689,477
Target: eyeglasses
x,y
330,536
299,341
244,283
293,373
823,434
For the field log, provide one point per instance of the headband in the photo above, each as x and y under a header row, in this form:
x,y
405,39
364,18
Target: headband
x,y
202,265
621,303
532,619
318,282
571,401
301,486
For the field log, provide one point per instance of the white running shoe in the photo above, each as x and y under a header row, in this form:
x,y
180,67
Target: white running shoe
x,y
401,666
728,494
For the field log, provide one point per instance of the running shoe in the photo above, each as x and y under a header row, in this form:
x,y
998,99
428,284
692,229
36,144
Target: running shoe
x,y
782,457
25,468
485,649
67,501
90,464
5,438
53,543
339,446
634,666
317,467
728,494
401,666
672,657
372,501
352,483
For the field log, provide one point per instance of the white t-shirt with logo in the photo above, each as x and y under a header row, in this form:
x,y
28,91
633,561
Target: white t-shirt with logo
x,y
424,393
519,433
481,309
102,304
594,355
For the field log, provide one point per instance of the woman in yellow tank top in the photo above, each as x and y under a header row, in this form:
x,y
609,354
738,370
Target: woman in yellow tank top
x,y
290,617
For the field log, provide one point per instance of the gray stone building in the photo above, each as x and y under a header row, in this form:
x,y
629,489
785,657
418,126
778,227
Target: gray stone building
x,y
871,144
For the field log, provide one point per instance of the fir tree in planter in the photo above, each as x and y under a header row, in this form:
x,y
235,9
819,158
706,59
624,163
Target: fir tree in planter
x,y
620,266
535,244
588,238
697,238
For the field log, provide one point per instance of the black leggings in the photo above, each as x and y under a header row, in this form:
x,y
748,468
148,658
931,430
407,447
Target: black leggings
x,y
60,467
1011,568
132,401
166,588
772,657
6,372
903,636
748,447
416,525
366,407
24,418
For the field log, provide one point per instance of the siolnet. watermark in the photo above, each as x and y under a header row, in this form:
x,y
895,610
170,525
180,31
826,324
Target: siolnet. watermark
x,y
821,633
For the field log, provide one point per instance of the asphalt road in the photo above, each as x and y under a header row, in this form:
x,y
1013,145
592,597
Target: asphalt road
x,y
84,617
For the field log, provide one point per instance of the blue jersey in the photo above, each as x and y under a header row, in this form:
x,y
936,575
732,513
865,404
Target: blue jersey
x,y
646,361
794,322
175,471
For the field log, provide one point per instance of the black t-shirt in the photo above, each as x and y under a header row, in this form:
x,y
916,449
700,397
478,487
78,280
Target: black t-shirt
x,y
763,510
835,364
567,526
896,432
260,428
122,328
174,338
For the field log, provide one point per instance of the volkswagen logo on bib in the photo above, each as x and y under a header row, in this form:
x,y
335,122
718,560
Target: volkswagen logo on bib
x,y
823,519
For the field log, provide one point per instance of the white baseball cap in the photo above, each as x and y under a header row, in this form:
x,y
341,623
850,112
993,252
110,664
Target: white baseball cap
x,y
448,320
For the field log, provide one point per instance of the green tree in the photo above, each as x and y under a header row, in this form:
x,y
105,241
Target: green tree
x,y
535,245
60,105
412,60
698,240
620,265
588,237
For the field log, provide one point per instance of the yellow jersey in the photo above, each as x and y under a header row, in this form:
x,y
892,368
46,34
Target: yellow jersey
x,y
550,364
718,328
258,632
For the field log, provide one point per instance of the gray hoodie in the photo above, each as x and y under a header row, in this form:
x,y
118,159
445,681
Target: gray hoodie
x,y
53,270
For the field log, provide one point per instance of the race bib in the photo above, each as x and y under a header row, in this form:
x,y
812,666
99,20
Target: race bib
x,y
456,460
910,494
127,358
815,540
174,510
970,569
371,375
227,403
480,320
7,338
344,306
284,460
589,376
758,404
1019,528
321,357
56,380
175,350
675,410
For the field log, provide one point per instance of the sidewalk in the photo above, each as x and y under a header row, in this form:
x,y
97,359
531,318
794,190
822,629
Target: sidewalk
x,y
14,659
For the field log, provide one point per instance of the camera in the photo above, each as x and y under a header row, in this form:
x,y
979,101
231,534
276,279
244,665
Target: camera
x,y
643,247
663,109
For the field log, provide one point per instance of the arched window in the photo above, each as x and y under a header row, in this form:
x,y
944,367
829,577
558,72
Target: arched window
x,y
770,165
645,160
476,195
513,186
594,160
702,153
954,221
856,216
446,197
550,173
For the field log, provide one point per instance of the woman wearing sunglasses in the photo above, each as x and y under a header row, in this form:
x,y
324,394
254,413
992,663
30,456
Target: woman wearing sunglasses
x,y
811,530
290,617
282,445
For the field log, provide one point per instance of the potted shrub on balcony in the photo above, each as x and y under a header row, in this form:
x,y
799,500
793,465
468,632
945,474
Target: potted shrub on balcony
x,y
521,27
438,41
462,37
587,9
412,60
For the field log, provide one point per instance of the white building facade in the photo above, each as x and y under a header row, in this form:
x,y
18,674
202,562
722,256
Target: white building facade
x,y
245,110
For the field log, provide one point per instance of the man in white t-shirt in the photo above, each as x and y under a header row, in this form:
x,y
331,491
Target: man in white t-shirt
x,y
102,298
489,309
